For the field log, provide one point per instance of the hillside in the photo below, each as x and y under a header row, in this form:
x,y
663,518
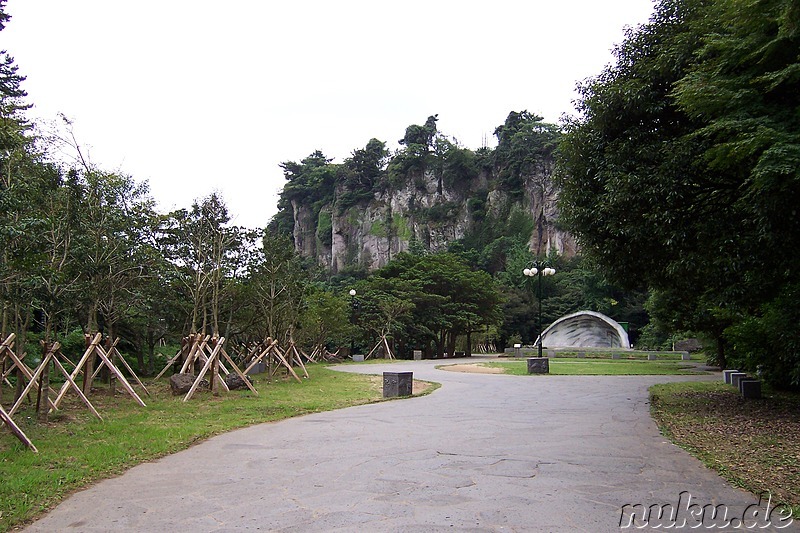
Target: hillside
x,y
432,194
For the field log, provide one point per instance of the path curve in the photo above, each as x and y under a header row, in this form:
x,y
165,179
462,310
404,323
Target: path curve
x,y
482,453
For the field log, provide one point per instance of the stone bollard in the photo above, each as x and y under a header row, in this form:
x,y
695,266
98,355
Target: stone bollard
x,y
358,357
750,388
417,355
736,377
397,384
726,376
538,365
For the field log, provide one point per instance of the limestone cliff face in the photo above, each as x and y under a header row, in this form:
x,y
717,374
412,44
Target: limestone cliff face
x,y
431,212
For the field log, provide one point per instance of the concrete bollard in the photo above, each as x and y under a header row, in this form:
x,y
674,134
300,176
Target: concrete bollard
x,y
736,377
726,376
750,388
397,384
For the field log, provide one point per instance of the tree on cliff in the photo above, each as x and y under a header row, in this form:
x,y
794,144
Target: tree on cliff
x,y
682,172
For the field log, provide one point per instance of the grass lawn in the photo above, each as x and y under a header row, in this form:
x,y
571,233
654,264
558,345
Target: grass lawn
x,y
76,449
754,444
599,367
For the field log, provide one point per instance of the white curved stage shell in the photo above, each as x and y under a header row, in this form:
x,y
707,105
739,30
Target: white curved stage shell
x,y
585,329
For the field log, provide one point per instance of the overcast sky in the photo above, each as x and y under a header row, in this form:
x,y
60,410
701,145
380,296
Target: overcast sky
x,y
197,96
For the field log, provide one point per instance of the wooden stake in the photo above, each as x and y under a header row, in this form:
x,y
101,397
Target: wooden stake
x,y
16,430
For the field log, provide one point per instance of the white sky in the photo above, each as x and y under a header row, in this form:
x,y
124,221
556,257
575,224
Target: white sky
x,y
197,96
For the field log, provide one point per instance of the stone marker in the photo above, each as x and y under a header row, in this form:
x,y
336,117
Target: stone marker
x,y
517,350
358,357
685,356
417,355
726,375
736,377
234,381
181,383
651,357
616,356
397,384
750,388
538,365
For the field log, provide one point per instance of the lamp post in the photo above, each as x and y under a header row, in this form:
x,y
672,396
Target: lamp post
x,y
539,269
352,321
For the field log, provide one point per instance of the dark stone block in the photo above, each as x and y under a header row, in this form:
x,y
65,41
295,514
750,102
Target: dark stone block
x,y
181,383
736,377
397,384
234,381
538,365
750,388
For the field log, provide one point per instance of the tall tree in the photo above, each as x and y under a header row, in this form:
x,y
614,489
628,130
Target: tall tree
x,y
681,172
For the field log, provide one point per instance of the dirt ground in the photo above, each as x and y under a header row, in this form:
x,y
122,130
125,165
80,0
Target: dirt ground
x,y
476,368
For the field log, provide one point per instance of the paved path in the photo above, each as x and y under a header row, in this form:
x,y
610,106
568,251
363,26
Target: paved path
x,y
482,453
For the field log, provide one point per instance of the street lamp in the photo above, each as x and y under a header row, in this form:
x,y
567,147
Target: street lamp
x,y
539,269
352,321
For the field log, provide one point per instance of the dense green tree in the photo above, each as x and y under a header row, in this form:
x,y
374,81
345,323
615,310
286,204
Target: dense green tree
x,y
681,173
432,299
525,148
361,174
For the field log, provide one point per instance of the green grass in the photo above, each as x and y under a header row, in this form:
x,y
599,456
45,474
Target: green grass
x,y
76,449
595,367
754,444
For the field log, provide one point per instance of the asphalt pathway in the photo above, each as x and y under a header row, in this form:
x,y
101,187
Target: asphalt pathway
x,y
485,452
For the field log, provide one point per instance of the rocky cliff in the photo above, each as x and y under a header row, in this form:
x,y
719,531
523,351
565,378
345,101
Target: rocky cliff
x,y
360,214
427,212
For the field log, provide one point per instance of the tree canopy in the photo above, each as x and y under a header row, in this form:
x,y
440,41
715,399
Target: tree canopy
x,y
681,173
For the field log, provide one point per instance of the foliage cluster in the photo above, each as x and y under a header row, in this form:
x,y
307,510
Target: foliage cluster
x,y
681,174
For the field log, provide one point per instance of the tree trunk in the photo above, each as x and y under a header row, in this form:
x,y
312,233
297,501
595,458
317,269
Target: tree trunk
x,y
151,352
42,405
721,359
